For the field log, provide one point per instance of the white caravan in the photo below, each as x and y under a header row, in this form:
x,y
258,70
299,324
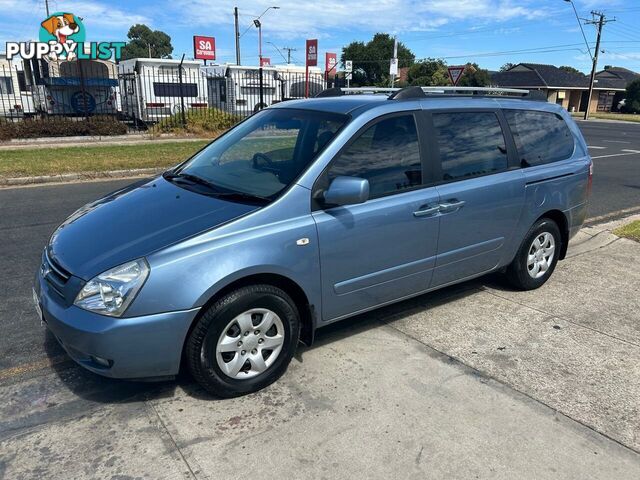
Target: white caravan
x,y
13,104
151,90
73,88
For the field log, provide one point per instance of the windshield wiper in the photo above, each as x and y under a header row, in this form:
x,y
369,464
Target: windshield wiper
x,y
243,196
189,178
213,189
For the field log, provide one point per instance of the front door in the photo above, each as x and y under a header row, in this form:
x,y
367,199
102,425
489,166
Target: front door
x,y
383,249
481,198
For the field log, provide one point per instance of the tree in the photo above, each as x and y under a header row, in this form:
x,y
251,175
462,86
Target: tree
x,y
145,42
632,102
507,66
428,72
371,59
474,76
569,69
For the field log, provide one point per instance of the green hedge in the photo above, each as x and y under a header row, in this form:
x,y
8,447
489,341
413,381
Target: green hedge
x,y
61,127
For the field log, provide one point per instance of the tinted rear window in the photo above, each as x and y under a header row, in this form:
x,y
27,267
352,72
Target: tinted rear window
x,y
541,137
471,144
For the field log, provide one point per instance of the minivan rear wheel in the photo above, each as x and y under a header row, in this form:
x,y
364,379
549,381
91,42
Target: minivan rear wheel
x,y
244,341
537,257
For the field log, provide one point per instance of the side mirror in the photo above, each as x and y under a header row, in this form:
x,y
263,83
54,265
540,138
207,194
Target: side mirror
x,y
347,191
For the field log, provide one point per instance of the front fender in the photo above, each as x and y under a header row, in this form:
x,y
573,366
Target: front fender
x,y
187,275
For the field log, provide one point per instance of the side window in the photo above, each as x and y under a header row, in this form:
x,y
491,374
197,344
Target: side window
x,y
471,144
541,137
387,154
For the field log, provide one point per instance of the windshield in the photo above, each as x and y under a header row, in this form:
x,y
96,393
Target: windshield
x,y
264,154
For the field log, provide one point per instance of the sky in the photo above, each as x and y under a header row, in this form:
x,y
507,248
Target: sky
x,y
488,32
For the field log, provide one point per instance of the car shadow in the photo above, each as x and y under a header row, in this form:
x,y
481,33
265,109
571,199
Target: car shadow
x,y
95,388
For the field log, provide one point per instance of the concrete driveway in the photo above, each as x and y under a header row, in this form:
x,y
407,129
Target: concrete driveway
x,y
475,381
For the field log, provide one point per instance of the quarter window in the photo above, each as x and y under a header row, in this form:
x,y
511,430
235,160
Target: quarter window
x,y
387,154
541,137
471,144
6,86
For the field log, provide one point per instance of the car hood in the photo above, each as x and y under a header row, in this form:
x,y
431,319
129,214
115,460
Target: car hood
x,y
134,222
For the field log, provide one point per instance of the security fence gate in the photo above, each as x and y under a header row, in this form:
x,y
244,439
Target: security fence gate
x,y
144,93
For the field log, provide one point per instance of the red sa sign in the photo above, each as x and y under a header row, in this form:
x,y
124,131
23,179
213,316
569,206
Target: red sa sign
x,y
330,60
204,48
312,53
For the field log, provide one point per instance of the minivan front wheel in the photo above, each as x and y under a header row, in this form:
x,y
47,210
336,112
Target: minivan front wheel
x,y
537,257
244,341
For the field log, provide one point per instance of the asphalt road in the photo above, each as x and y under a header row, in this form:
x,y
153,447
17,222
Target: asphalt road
x,y
615,149
29,215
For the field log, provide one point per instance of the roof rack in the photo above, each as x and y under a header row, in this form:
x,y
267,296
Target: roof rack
x,y
424,92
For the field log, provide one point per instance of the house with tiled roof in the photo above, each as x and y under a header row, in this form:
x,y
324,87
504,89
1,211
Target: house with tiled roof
x,y
566,88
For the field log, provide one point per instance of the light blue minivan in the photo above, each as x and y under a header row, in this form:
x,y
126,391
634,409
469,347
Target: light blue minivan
x,y
307,213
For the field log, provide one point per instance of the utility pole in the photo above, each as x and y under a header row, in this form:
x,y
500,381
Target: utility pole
x,y
395,57
600,23
235,16
46,4
289,50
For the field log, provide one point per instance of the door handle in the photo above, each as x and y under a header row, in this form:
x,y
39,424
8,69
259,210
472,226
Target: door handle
x,y
451,206
426,211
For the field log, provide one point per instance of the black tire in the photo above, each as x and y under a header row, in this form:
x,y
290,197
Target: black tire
x,y
517,272
200,349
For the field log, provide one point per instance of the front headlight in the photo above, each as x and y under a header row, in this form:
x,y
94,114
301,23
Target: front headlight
x,y
111,292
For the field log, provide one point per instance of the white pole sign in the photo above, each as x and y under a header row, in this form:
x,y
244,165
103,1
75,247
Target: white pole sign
x,y
393,67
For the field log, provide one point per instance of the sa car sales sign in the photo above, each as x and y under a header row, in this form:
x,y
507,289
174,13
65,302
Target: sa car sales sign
x,y
312,53
204,48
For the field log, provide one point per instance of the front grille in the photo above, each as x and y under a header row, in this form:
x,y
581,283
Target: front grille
x,y
59,281
56,275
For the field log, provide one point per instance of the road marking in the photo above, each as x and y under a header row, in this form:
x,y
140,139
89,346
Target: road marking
x,y
32,366
616,141
628,152
597,148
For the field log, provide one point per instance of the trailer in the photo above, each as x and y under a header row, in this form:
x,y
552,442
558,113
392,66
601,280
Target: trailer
x,y
14,103
294,80
240,89
152,89
77,88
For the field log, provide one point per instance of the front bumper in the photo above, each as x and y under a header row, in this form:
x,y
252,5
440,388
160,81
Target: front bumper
x,y
136,347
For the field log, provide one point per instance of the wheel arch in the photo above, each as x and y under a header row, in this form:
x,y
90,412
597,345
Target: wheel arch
x,y
563,224
298,295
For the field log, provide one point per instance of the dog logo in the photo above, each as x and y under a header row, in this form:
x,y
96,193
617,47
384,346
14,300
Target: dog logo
x,y
62,28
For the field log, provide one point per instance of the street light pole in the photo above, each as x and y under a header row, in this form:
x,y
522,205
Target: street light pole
x,y
580,25
237,30
258,24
